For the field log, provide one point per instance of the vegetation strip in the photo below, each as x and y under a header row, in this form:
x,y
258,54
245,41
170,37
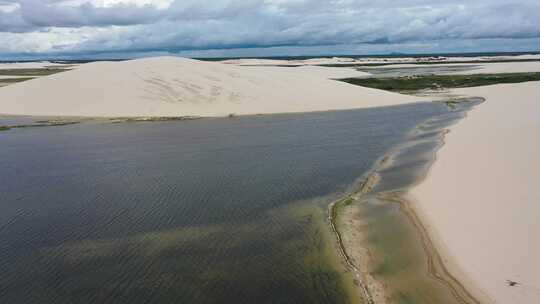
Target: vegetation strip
x,y
365,187
7,81
434,82
31,72
38,124
333,212
21,75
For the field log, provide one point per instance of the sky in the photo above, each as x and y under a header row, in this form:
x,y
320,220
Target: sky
x,y
228,28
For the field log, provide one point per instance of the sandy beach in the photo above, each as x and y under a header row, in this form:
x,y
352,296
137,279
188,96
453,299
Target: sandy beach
x,y
480,198
173,86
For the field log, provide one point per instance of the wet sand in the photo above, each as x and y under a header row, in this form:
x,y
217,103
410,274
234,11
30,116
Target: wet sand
x,y
381,237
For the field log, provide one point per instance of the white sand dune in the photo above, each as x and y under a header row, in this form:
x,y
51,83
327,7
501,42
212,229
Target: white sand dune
x,y
32,65
291,62
481,198
376,60
172,86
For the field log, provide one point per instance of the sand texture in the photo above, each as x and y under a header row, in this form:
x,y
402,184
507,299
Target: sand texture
x,y
481,198
172,86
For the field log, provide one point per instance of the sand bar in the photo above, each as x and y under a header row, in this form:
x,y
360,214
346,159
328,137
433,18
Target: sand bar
x,y
173,86
481,199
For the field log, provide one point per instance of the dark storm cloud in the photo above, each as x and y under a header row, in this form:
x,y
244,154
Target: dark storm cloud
x,y
38,14
189,24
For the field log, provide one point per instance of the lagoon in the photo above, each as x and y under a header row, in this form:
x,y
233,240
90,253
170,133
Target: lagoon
x,y
217,210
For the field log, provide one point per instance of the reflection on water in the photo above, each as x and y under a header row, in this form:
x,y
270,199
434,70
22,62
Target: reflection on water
x,y
205,211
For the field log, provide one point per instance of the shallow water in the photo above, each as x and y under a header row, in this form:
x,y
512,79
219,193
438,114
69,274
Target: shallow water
x,y
402,256
204,211
389,71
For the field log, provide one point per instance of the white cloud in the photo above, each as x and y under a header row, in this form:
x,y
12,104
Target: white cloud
x,y
8,7
160,4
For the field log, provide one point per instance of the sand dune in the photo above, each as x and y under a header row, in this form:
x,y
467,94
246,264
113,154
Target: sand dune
x,y
481,197
291,62
376,60
33,65
172,86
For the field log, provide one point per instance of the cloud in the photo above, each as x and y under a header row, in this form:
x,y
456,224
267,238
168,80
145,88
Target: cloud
x,y
176,25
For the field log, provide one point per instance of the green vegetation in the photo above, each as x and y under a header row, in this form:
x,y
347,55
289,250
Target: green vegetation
x,y
26,74
7,81
31,72
452,104
340,203
347,201
433,82
42,123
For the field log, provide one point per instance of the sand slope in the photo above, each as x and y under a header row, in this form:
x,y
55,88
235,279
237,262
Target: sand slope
x,y
172,86
482,195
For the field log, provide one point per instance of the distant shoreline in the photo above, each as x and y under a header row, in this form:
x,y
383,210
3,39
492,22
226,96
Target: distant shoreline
x,y
57,59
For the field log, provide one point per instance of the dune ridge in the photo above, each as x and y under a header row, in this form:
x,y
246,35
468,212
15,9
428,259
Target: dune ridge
x,y
173,86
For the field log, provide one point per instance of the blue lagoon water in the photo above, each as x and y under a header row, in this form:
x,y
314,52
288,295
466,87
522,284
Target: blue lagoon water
x,y
203,211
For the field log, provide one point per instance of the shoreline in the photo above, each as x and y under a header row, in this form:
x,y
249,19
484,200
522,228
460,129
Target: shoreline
x,y
15,121
333,212
439,268
372,287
